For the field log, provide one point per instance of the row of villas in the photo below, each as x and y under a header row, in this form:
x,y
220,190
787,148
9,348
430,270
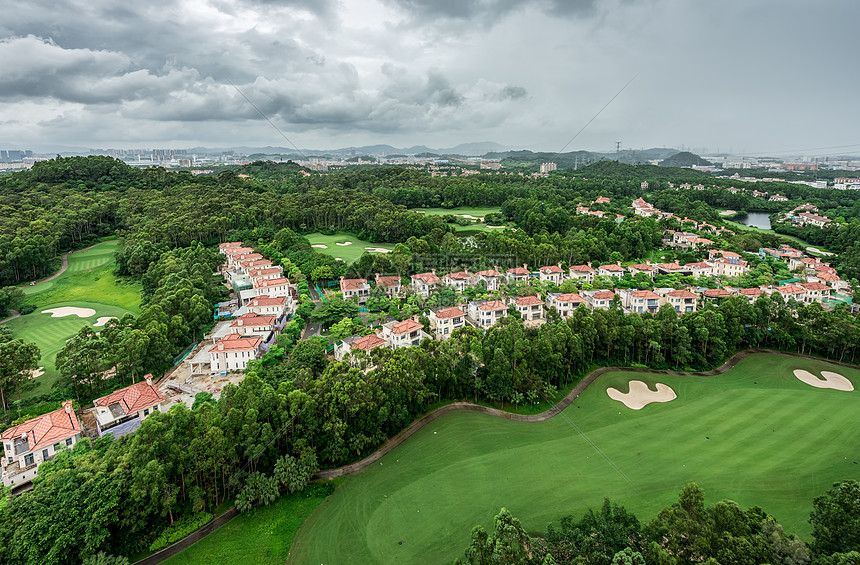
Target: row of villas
x,y
31,443
264,310
484,314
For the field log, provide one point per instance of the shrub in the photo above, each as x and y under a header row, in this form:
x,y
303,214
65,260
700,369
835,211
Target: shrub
x,y
26,309
180,529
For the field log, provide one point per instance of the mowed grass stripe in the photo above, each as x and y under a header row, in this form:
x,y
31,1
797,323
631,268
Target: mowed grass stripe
x,y
434,488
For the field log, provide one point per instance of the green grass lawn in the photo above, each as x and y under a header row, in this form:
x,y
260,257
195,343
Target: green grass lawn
x,y
262,536
87,283
349,253
756,435
50,334
462,211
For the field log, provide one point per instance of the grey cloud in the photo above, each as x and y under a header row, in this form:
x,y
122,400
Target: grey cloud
x,y
489,10
513,92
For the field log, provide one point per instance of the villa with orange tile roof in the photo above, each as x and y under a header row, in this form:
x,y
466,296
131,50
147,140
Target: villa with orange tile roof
x,y
491,277
31,443
391,284
518,274
564,303
583,273
729,266
425,283
750,293
530,308
403,334
611,270
598,299
355,288
268,305
486,313
222,248
682,301
459,280
640,301
365,343
444,321
232,352
646,268
253,323
815,291
551,273
134,402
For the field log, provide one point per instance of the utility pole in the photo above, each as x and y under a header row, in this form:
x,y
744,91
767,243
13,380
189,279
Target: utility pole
x,y
617,150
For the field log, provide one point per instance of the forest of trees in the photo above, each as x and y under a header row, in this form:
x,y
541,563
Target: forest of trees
x,y
297,408
685,533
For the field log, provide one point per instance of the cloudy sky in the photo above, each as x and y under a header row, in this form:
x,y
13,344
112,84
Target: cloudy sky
x,y
740,75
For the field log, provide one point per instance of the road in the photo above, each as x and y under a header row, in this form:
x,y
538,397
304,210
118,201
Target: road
x,y
313,328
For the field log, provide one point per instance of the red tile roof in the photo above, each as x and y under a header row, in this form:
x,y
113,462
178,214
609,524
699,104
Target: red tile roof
x,y
603,295
790,289
46,429
670,266
388,281
263,283
682,294
641,267
405,326
263,272
716,293
518,271
266,300
645,294
367,342
230,244
237,250
352,284
529,301
427,278
699,265
133,398
452,312
492,305
751,291
611,267
255,263
815,286
490,273
459,275
253,320
569,297
582,269
237,342
551,269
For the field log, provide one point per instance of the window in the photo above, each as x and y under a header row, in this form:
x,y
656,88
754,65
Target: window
x,y
146,412
68,442
44,455
28,459
57,446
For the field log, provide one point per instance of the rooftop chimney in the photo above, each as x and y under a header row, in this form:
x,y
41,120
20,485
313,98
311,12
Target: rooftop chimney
x,y
149,379
68,406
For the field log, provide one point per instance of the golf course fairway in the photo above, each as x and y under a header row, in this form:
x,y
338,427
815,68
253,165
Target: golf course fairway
x,y
756,434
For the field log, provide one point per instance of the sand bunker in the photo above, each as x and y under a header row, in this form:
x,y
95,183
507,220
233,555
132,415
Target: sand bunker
x,y
37,372
830,380
102,321
320,246
819,251
728,213
70,311
344,244
640,395
496,227
470,217
378,249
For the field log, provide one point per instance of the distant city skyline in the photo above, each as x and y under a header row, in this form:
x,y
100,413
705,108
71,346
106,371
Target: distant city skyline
x,y
764,78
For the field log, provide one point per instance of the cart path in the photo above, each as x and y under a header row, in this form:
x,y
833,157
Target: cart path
x,y
400,438
64,258
14,315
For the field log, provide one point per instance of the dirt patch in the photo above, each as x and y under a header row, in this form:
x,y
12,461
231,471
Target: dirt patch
x,y
640,395
70,311
830,380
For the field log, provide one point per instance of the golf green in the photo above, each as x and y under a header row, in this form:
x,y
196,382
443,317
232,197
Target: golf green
x,y
51,333
345,246
756,435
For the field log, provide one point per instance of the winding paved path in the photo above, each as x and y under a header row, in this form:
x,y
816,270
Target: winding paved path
x,y
64,258
400,438
14,315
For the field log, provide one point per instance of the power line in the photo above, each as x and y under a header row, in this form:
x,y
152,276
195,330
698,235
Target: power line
x,y
268,120
594,117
